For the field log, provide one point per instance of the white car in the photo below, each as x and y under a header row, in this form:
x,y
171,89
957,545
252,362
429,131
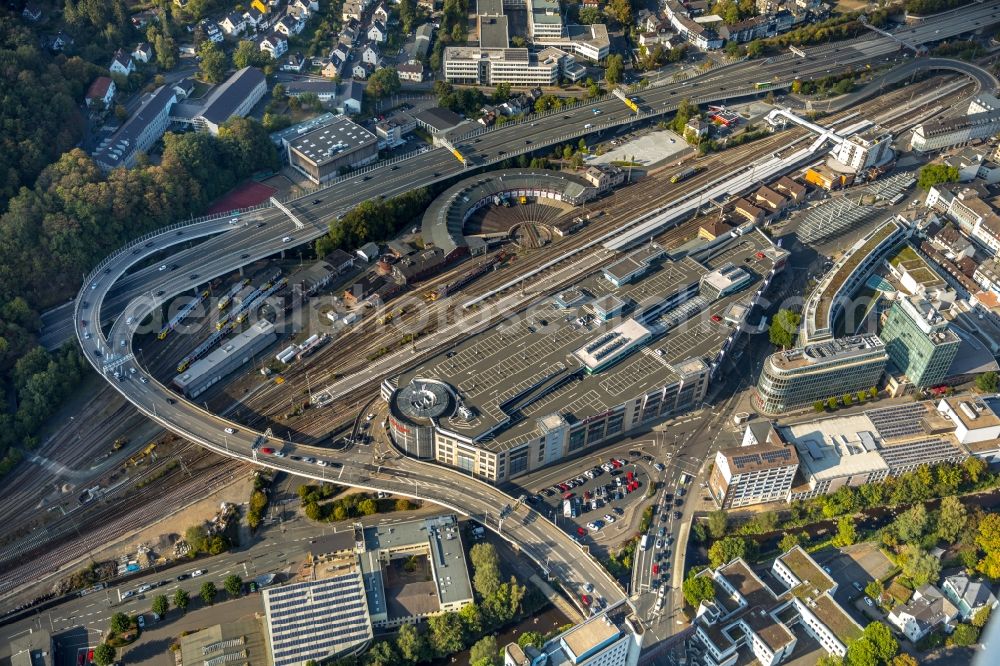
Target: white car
x,y
162,268
198,572
286,239
279,454
123,343
322,463
230,431
144,588
588,587
141,621
868,600
609,518
592,526
235,220
86,335
129,321
307,459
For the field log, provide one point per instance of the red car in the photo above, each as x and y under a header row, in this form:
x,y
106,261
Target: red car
x,y
716,318
267,450
90,656
585,599
568,495
581,531
615,463
656,568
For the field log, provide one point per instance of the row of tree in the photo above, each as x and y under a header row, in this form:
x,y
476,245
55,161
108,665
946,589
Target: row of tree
x,y
374,221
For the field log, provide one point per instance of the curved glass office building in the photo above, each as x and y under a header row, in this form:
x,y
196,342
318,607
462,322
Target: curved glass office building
x,y
801,376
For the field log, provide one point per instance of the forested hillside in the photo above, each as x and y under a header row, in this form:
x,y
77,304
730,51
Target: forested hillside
x,y
60,214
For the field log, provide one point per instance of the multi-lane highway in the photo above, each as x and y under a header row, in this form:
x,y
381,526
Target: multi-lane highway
x,y
112,289
534,133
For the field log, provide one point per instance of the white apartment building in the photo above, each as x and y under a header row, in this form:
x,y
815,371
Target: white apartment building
x,y
544,19
611,638
974,216
139,132
865,150
516,66
746,612
760,470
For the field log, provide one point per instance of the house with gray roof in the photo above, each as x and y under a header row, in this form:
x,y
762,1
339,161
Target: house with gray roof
x,y
968,595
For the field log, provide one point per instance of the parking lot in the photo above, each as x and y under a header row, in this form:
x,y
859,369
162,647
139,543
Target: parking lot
x,y
602,503
854,567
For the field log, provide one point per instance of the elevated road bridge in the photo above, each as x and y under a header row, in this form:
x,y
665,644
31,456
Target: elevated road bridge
x,y
114,287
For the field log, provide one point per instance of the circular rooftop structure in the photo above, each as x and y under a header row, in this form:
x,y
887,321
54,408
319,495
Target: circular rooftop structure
x,y
423,400
413,410
443,224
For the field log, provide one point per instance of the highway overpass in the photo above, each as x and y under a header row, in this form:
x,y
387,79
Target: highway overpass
x,y
111,289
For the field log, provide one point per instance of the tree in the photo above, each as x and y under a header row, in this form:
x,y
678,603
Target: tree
x,y
819,406
784,326
974,468
485,650
860,652
197,538
615,68
445,634
160,605
903,659
590,15
486,568
278,92
620,10
789,541
981,617
533,638
403,504
411,644
934,174
407,15
718,521
884,643
381,653
964,635
912,523
104,655
384,82
214,63
181,600
988,382
471,616
120,623
988,540
367,507
875,590
698,589
208,592
846,532
248,54
726,549
918,565
233,585
952,517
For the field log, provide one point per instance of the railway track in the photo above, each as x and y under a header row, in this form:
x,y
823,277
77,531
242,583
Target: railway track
x,y
75,530
648,193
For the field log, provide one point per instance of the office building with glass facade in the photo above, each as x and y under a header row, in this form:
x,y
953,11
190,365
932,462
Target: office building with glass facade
x,y
919,342
804,375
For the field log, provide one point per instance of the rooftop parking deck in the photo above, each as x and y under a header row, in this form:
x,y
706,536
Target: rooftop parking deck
x,y
523,369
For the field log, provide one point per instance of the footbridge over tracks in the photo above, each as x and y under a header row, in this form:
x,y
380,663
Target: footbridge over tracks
x,y
554,550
